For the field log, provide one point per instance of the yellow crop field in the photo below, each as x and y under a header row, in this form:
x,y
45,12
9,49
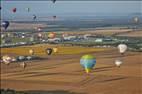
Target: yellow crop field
x,y
39,50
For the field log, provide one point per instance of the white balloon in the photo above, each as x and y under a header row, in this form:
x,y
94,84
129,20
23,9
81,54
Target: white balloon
x,y
29,57
118,63
136,19
122,48
6,59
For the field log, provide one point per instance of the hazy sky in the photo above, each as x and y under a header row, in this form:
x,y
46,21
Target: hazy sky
x,y
70,8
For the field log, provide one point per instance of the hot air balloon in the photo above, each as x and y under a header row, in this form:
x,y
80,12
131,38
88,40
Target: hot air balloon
x,y
5,24
49,51
34,17
39,29
55,50
29,57
40,35
21,58
118,63
51,35
31,52
14,10
88,62
136,20
0,8
54,17
7,59
53,1
122,48
28,9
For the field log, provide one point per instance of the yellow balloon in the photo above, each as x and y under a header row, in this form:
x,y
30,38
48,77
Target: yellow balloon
x,y
55,50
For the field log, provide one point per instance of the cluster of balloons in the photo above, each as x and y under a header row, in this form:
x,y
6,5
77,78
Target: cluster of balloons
x,y
122,48
89,61
48,51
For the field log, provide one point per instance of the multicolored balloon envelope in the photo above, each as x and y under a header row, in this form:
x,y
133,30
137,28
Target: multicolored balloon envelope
x,y
88,62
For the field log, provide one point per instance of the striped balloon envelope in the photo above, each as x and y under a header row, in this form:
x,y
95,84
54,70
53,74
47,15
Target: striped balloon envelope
x,y
88,62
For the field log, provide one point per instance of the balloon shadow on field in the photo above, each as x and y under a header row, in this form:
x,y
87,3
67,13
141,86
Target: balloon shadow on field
x,y
112,79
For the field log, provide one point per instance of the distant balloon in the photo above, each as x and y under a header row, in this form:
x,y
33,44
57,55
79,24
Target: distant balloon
x,y
51,35
118,63
34,17
5,24
14,10
21,58
28,9
55,50
0,8
40,35
31,52
39,29
122,48
49,51
7,59
54,17
136,20
29,57
88,62
53,1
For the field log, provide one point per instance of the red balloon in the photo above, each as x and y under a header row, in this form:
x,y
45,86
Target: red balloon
x,y
14,10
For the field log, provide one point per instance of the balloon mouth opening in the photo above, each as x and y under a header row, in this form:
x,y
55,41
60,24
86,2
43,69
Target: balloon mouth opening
x,y
87,70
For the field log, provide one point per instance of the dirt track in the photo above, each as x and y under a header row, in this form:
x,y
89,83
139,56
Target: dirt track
x,y
63,72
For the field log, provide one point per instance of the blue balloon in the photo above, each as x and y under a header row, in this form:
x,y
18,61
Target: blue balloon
x,y
5,24
88,62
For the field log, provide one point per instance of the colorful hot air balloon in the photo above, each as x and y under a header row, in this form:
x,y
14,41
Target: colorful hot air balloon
x,y
118,63
49,51
14,10
5,24
51,35
122,48
31,52
88,62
